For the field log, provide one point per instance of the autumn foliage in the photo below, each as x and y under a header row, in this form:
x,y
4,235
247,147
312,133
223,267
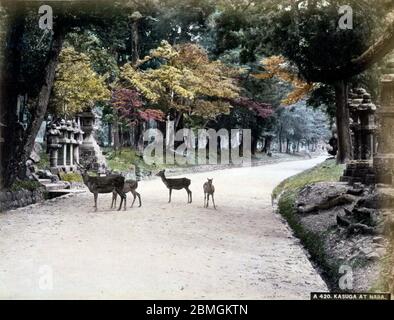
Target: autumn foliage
x,y
130,107
277,66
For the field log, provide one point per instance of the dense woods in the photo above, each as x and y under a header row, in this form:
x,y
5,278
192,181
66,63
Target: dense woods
x,y
280,68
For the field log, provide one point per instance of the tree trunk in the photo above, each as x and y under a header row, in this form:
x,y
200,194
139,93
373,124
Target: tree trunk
x,y
254,145
44,95
267,145
22,145
115,132
343,123
109,134
134,41
9,91
280,140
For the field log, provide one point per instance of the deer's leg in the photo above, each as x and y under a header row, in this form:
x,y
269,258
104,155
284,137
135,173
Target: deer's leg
x,y
189,195
208,200
170,195
205,199
114,197
95,201
139,199
134,196
213,201
123,198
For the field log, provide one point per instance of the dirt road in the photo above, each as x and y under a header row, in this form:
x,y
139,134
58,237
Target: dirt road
x,y
243,250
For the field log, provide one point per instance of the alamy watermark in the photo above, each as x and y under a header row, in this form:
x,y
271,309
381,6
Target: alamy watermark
x,y
46,19
346,20
346,280
198,147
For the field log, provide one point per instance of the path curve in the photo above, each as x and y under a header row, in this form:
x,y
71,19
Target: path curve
x,y
243,250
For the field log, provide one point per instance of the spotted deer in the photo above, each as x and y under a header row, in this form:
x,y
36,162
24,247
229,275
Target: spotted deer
x,y
107,184
209,190
176,184
129,186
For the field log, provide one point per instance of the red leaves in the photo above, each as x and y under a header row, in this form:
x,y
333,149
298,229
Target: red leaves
x,y
129,106
262,110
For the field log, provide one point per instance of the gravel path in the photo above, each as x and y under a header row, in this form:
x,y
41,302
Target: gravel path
x,y
63,249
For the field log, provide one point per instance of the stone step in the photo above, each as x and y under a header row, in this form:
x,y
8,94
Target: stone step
x,y
45,181
66,191
54,186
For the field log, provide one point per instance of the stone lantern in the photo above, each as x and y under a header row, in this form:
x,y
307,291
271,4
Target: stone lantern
x,y
87,149
363,129
384,159
77,141
53,135
64,142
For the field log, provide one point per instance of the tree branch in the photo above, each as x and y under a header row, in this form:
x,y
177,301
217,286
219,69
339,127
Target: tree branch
x,y
376,52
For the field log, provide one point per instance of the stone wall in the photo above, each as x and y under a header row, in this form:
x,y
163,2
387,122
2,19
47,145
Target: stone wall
x,y
15,199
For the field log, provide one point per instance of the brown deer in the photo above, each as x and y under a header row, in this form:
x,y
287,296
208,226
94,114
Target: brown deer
x,y
176,184
209,190
107,184
129,186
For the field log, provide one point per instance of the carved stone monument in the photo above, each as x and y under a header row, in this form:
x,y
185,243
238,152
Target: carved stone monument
x,y
64,141
363,128
90,152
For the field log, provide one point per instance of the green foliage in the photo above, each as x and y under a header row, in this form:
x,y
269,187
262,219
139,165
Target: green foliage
x,y
43,164
25,185
123,160
71,177
77,87
327,171
185,81
298,123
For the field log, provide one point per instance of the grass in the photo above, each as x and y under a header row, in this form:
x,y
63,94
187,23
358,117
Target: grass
x,y
327,171
43,164
25,185
127,159
123,160
287,193
71,177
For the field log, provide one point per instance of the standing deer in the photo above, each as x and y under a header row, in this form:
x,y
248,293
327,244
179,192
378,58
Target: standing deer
x,y
176,184
129,186
209,190
105,184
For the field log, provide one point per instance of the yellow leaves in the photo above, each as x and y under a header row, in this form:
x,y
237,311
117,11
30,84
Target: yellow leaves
x,y
185,80
164,51
277,66
142,81
77,86
210,109
298,93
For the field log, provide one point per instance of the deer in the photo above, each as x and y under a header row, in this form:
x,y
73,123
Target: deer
x,y
129,186
209,190
107,184
176,184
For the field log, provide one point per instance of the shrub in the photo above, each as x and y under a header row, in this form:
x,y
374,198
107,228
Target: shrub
x,y
25,185
71,177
